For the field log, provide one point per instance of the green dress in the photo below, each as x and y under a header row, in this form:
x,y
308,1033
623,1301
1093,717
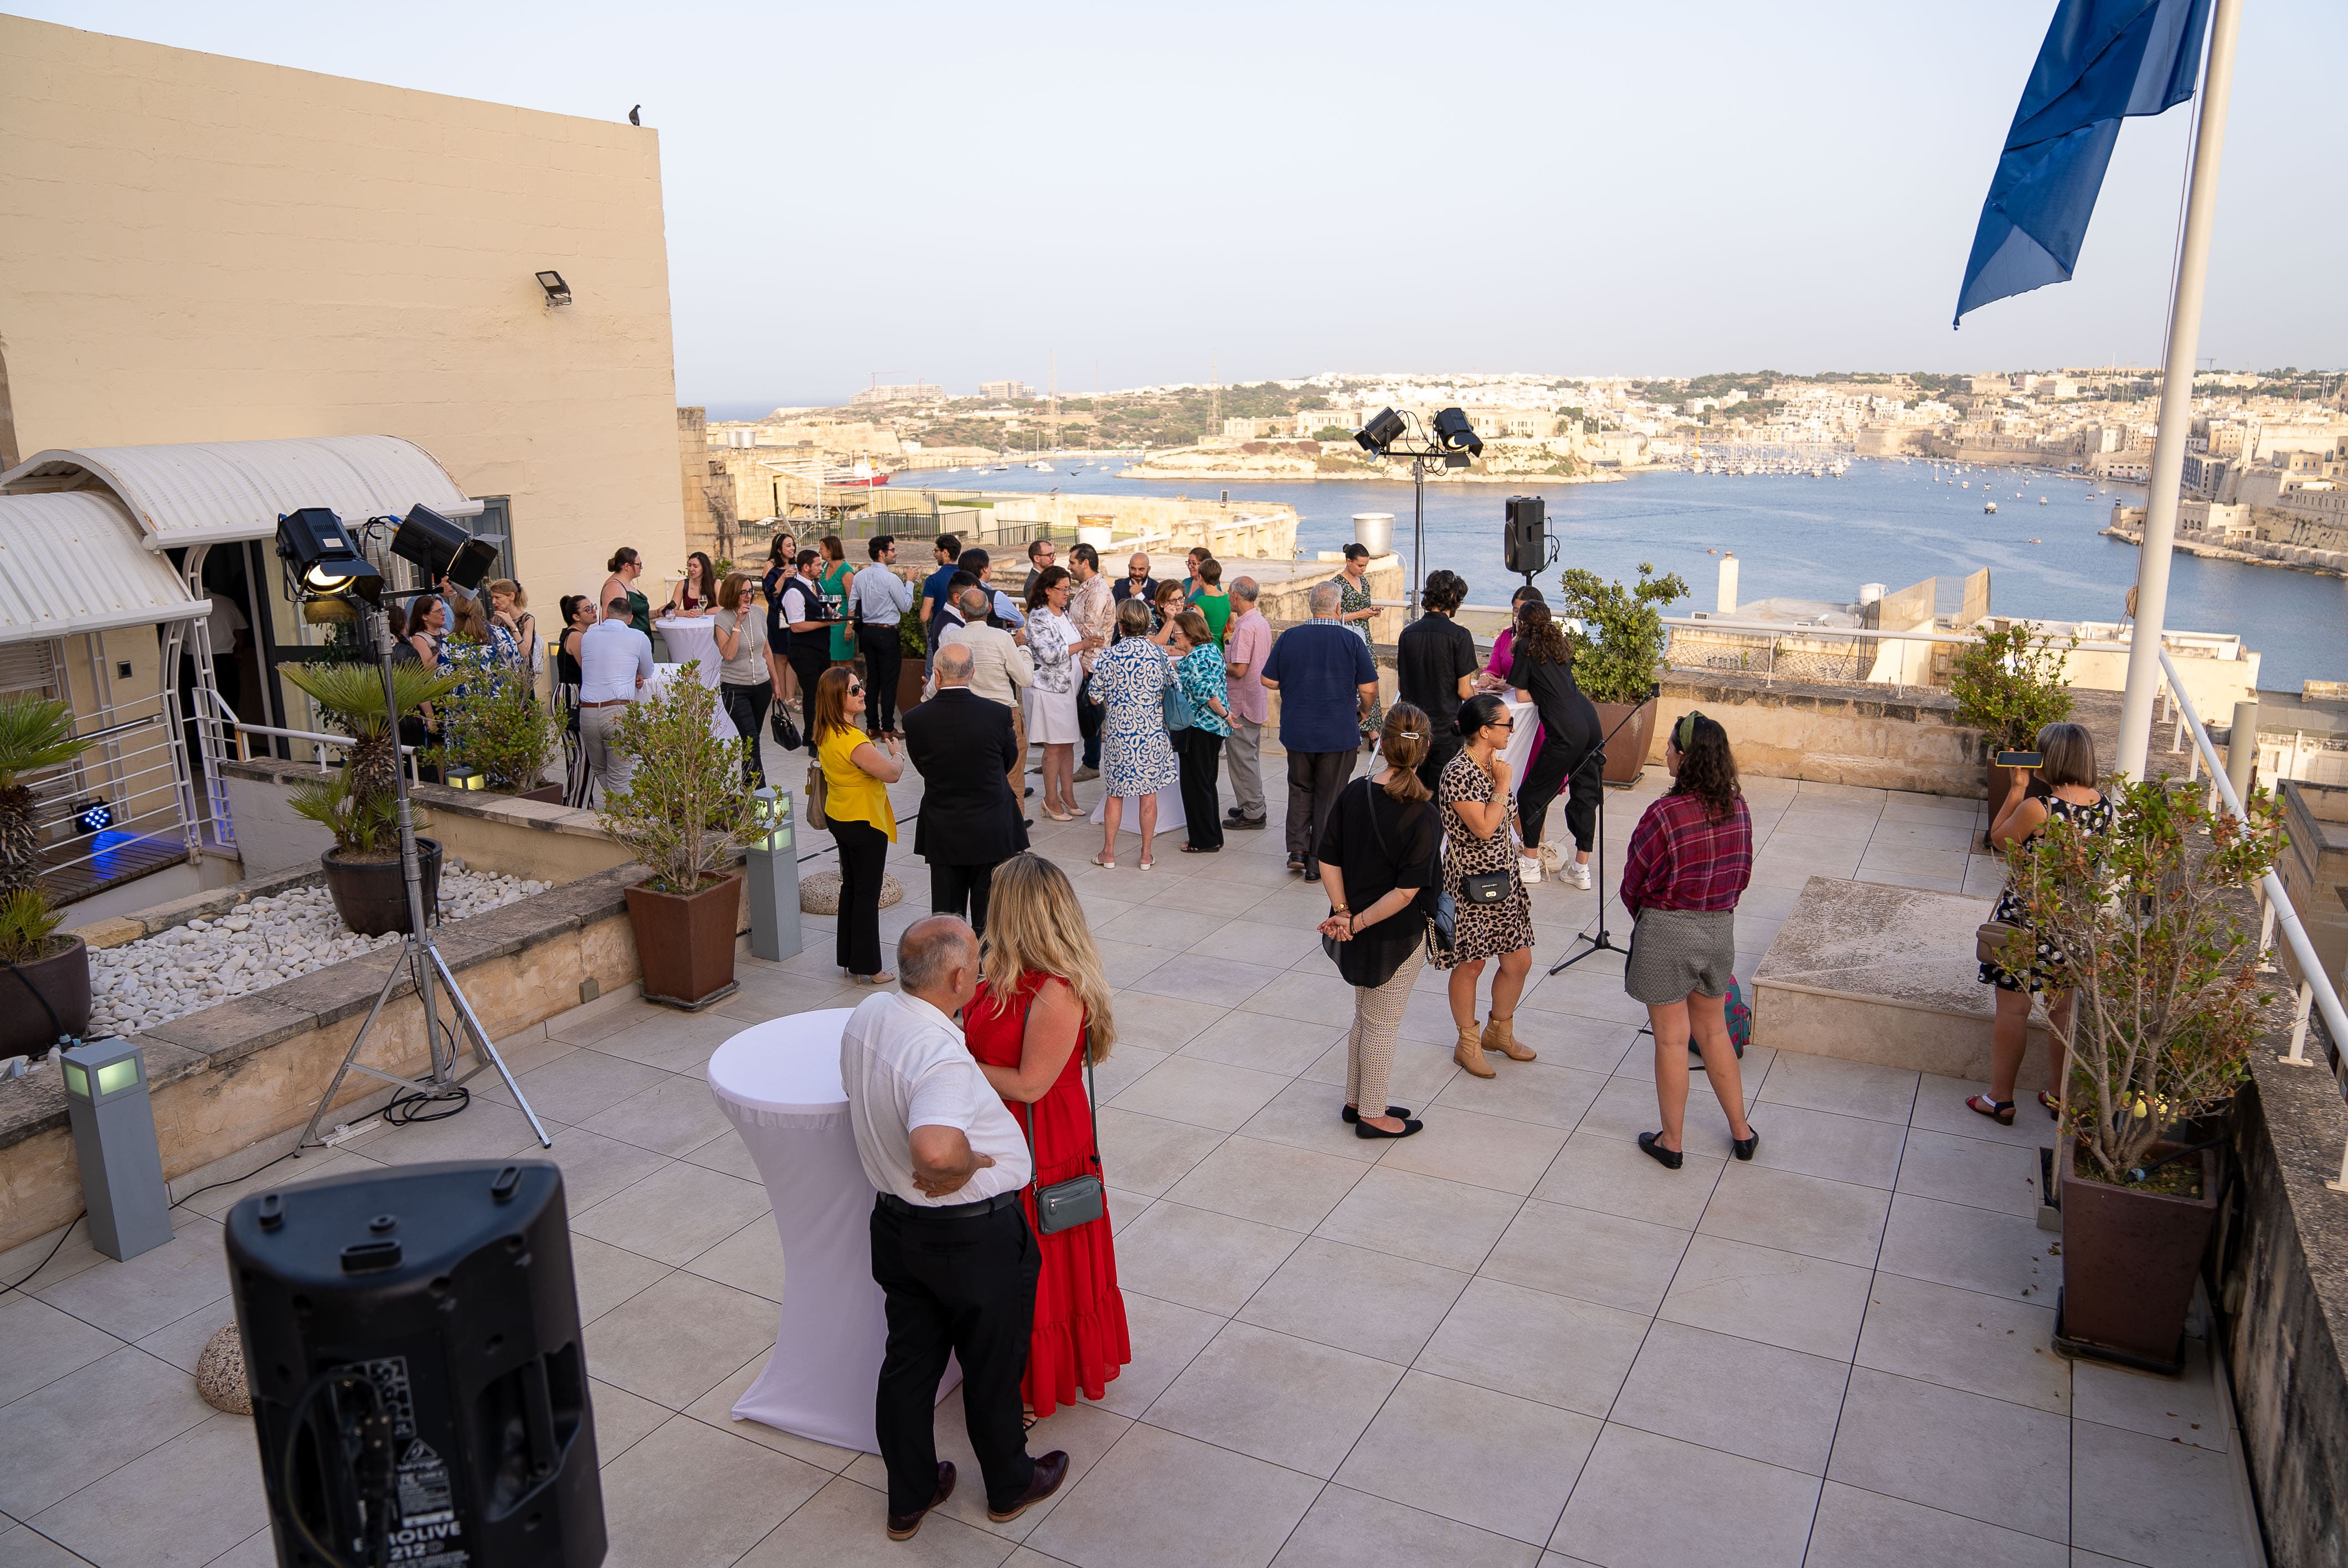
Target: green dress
x,y
639,612
1217,609
843,634
1351,598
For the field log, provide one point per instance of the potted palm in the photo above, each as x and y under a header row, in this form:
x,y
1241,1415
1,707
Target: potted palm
x,y
359,803
2155,924
1616,657
496,723
684,814
2010,686
47,987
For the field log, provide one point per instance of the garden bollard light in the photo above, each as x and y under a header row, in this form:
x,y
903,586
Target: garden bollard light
x,y
774,868
114,1139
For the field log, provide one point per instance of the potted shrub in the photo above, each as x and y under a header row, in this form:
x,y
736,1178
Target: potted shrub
x,y
46,973
913,642
1617,656
685,813
2161,944
496,723
359,803
2010,686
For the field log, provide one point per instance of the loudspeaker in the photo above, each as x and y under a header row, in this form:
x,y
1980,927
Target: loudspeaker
x,y
1527,541
411,1339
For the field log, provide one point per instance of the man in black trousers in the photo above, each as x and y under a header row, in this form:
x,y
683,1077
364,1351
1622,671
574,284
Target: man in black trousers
x,y
952,1252
965,749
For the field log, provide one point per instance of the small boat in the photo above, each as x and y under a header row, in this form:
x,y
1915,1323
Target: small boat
x,y
2033,541
1041,467
2041,500
1991,507
1967,485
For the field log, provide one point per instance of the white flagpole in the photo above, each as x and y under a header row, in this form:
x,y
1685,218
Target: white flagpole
x,y
2176,396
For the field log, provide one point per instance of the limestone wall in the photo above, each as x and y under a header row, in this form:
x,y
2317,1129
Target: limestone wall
x,y
537,839
1834,735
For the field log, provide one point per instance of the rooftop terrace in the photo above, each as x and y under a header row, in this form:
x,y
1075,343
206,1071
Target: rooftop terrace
x,y
1511,1340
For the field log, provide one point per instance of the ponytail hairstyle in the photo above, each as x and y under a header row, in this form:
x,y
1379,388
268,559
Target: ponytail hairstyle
x,y
1403,745
1707,769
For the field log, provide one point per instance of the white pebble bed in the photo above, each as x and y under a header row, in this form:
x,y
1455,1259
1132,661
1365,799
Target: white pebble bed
x,y
261,943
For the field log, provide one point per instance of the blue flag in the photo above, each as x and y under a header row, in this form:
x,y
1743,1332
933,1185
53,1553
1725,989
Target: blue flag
x,y
2102,60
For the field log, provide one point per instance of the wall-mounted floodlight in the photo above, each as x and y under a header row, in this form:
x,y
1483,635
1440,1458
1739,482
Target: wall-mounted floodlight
x,y
1381,433
324,559
442,548
558,292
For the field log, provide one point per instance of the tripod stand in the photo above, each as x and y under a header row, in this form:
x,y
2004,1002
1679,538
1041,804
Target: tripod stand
x,y
420,955
1602,942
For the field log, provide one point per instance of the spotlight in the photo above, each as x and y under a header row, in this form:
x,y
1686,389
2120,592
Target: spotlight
x,y
442,548
1454,434
323,558
96,814
558,292
1381,433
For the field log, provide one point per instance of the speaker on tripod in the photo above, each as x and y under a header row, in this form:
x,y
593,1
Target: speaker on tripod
x,y
418,1390
1526,540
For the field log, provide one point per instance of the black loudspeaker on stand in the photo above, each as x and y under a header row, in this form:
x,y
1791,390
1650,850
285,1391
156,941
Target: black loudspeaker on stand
x,y
412,1343
1602,942
1525,542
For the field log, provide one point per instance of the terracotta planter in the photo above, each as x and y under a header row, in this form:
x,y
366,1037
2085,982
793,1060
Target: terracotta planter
x,y
63,979
1626,754
371,895
909,685
685,941
2130,1260
552,792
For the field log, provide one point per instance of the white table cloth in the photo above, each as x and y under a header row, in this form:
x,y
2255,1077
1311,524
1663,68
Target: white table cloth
x,y
779,1083
1520,740
1169,811
690,639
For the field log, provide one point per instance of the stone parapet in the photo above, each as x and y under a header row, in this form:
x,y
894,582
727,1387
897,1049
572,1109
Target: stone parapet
x,y
1871,736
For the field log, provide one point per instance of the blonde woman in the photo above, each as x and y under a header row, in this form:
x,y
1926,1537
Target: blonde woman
x,y
1042,1007
510,608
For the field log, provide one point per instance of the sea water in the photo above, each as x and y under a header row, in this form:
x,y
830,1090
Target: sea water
x,y
1795,537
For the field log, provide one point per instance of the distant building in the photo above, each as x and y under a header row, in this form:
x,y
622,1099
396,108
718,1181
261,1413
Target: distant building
x,y
903,392
1006,391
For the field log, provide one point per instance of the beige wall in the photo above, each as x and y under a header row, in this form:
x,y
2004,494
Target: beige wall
x,y
194,248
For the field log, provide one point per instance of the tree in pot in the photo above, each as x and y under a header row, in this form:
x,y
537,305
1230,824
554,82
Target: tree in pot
x,y
2010,685
2160,943
913,643
359,804
1617,654
495,723
47,974
685,813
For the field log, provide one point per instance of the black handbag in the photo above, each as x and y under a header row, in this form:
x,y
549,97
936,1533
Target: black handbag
x,y
1079,1200
779,725
1487,886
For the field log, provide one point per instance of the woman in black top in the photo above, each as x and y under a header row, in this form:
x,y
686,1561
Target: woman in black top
x,y
1542,675
578,615
780,554
1378,857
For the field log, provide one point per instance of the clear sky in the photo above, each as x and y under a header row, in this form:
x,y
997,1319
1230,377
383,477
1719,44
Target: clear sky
x,y
954,193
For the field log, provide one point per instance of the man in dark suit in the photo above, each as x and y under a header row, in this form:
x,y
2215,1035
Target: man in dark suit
x,y
965,748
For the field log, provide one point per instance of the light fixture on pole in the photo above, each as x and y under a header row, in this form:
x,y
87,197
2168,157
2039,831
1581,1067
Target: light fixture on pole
x,y
1455,445
328,565
440,548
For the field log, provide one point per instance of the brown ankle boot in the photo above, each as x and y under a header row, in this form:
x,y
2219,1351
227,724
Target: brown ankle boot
x,y
1469,1054
1500,1035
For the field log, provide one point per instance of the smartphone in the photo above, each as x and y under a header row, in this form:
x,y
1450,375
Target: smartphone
x,y
2020,760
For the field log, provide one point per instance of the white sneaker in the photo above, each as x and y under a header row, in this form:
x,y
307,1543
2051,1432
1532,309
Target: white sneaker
x,y
1577,875
1529,867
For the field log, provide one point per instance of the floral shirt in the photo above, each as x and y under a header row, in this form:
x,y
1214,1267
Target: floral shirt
x,y
1202,675
1092,607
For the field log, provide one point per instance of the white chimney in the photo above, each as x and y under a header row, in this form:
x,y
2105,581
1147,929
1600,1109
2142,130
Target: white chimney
x,y
1728,584
1870,592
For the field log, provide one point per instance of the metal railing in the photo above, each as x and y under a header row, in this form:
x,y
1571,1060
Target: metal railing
x,y
2316,991
227,717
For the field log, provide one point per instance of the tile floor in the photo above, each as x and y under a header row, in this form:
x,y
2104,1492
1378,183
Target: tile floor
x,y
1511,1340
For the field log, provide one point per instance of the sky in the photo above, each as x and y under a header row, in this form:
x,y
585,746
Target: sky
x,y
1150,194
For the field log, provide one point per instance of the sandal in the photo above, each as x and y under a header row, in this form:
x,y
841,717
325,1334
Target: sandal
x,y
2053,1106
1106,865
1998,1110
1147,864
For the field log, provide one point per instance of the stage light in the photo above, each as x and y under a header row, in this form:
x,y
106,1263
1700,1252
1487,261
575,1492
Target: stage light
x,y
1381,433
442,548
324,558
95,814
558,292
1454,434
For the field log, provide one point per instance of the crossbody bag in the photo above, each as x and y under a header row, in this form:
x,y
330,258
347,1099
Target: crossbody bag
x,y
1079,1200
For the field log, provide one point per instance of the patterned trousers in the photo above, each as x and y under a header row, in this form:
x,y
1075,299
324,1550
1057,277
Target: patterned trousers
x,y
1369,1050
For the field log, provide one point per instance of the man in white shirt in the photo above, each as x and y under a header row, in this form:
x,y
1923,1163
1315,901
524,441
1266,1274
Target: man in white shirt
x,y
950,1248
999,669
615,660
810,651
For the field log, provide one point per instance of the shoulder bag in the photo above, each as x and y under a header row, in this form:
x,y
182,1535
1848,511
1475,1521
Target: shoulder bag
x,y
812,809
1179,714
1079,1200
2008,945
1491,886
785,729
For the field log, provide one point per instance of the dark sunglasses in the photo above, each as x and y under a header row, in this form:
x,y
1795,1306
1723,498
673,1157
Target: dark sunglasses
x,y
854,689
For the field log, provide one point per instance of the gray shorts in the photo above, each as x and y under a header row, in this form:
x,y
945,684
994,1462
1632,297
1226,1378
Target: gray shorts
x,y
1674,952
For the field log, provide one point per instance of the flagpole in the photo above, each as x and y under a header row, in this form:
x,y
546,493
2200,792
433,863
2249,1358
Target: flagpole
x,y
2177,396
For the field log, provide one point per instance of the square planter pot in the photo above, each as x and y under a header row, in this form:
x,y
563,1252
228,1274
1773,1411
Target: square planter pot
x,y
1626,754
2130,1260
684,941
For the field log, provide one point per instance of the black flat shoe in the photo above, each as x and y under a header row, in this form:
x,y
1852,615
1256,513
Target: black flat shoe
x,y
1653,1142
1399,1112
1364,1130
1744,1146
1312,872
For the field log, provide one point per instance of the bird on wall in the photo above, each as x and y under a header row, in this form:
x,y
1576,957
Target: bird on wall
x,y
632,116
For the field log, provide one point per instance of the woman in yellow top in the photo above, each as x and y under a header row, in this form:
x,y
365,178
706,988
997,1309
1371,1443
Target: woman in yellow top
x,y
857,774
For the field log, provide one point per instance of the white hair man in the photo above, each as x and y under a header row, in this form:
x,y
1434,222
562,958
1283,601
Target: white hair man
x,y
1326,680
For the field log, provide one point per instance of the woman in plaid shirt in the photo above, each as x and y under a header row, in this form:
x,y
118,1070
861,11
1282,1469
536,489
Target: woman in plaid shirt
x,y
1690,857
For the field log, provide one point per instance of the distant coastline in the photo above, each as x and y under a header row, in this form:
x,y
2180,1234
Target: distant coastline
x,y
2225,552
1370,477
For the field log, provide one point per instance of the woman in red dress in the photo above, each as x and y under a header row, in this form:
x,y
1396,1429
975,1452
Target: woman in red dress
x,y
1042,992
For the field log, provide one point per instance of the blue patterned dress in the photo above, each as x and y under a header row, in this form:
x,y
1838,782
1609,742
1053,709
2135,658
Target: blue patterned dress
x,y
1137,755
1203,675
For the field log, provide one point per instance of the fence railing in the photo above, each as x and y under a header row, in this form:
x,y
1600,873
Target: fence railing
x,y
2316,991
